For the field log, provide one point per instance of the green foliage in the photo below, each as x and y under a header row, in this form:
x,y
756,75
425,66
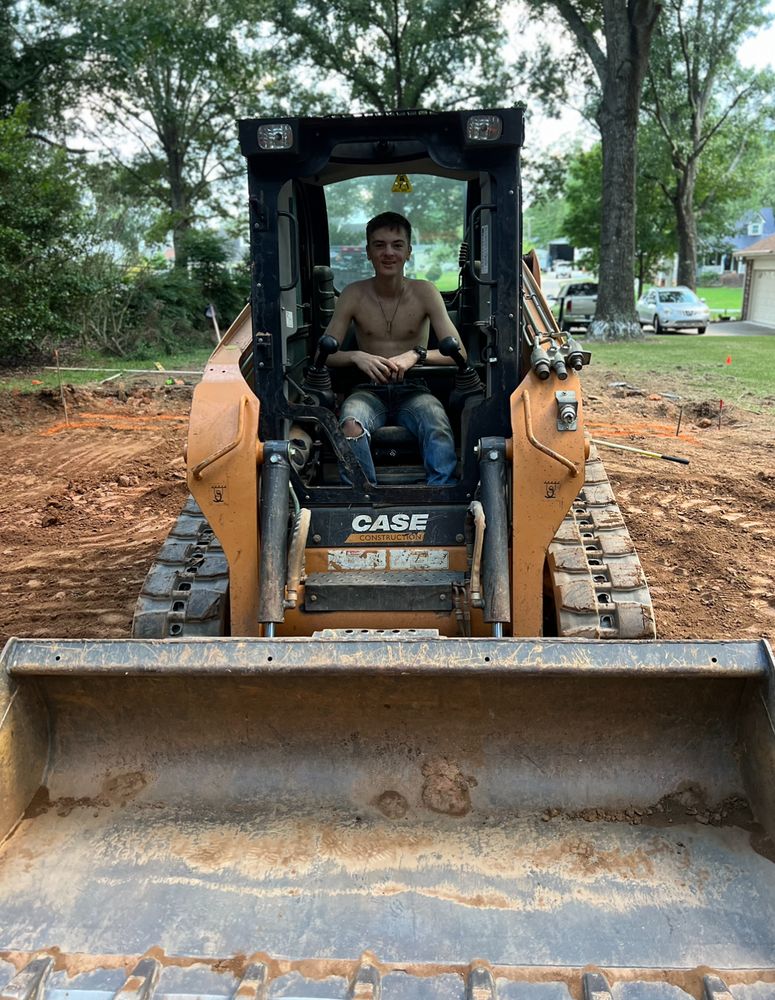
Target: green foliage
x,y
544,221
654,228
171,77
435,208
153,307
707,114
39,64
612,43
396,54
42,245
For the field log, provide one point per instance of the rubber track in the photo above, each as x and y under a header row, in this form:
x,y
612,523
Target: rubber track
x,y
186,590
599,586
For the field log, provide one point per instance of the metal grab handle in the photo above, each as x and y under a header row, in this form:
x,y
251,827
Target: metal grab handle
x,y
293,250
574,469
476,513
199,469
475,213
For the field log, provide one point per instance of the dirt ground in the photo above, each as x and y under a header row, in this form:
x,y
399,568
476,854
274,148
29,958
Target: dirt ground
x,y
86,504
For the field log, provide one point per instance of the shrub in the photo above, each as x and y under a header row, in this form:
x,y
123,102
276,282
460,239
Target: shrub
x,y
709,279
42,246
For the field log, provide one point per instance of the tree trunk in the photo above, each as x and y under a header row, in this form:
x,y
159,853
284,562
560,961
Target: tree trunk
x,y
628,29
615,317
180,243
180,204
686,225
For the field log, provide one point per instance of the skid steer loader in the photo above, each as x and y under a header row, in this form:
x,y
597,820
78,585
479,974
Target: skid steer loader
x,y
389,740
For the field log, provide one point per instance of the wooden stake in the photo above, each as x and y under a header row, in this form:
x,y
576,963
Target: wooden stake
x,y
61,388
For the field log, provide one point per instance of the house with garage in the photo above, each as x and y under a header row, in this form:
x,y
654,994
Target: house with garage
x,y
759,287
726,257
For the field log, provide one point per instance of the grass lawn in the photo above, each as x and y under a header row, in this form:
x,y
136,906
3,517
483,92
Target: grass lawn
x,y
31,379
695,367
723,301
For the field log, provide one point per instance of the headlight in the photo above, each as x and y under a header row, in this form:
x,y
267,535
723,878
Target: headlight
x,y
279,136
484,128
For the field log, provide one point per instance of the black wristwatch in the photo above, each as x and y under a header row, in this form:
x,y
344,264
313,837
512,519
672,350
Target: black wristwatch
x,y
421,353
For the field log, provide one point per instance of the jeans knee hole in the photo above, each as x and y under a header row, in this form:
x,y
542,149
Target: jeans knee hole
x,y
354,431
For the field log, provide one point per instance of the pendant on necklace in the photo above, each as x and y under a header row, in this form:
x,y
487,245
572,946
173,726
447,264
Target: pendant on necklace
x,y
389,322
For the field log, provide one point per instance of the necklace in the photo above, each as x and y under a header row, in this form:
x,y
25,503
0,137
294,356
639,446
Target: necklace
x,y
389,322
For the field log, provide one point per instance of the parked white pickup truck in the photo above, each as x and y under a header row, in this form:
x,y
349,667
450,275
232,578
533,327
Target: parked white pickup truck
x,y
575,304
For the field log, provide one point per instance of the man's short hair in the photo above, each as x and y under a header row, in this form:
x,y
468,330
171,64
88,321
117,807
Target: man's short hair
x,y
389,220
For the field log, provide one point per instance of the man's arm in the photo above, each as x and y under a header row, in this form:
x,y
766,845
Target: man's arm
x,y
375,368
443,327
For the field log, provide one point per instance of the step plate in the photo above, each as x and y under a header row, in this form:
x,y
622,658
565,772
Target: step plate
x,y
362,590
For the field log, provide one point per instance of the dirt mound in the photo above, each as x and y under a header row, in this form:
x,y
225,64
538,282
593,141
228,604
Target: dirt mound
x,y
87,503
704,531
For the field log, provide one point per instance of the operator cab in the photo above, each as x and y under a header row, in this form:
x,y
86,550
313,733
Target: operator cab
x,y
313,184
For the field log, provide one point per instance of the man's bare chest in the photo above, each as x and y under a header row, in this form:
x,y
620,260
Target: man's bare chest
x,y
396,322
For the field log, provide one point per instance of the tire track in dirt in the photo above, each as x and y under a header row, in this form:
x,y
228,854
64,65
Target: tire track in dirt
x,y
704,532
86,508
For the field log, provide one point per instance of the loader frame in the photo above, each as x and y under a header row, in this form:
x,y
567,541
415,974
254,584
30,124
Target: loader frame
x,y
527,465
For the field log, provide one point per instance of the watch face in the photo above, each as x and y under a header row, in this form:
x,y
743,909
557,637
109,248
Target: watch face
x,y
421,353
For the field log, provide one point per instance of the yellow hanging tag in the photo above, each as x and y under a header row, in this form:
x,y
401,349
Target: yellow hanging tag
x,y
402,185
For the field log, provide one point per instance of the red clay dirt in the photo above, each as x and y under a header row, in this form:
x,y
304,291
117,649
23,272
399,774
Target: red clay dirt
x,y
85,507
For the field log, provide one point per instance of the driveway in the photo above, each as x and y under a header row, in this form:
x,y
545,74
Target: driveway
x,y
723,328
740,328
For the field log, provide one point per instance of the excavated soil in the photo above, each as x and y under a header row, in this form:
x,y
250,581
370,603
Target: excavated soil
x,y
88,501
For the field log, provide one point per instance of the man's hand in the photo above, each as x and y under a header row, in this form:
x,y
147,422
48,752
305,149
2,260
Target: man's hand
x,y
375,368
402,363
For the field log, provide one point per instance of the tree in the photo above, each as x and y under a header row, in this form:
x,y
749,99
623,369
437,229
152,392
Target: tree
x,y
169,78
699,97
654,230
395,54
42,244
39,65
544,221
616,39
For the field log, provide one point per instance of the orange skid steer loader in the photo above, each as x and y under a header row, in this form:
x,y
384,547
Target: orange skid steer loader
x,y
387,740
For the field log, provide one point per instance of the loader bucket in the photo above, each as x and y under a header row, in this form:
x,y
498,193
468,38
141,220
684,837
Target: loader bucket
x,y
476,817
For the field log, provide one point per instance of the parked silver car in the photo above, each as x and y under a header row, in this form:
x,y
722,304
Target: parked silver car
x,y
672,309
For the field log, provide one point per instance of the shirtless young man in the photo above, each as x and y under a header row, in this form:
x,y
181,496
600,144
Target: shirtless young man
x,y
392,316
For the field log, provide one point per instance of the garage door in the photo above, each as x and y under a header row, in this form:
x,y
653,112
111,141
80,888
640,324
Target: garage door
x,y
762,308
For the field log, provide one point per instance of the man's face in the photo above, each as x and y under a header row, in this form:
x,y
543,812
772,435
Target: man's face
x,y
388,250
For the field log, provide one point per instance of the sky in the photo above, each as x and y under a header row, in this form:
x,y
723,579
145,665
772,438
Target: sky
x,y
759,52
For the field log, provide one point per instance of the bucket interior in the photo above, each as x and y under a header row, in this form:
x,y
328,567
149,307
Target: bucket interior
x,y
529,820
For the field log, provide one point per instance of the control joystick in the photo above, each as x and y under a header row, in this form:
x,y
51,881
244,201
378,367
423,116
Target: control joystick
x,y
317,381
450,348
467,382
327,345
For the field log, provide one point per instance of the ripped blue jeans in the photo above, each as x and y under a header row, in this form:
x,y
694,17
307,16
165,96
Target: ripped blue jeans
x,y
410,405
